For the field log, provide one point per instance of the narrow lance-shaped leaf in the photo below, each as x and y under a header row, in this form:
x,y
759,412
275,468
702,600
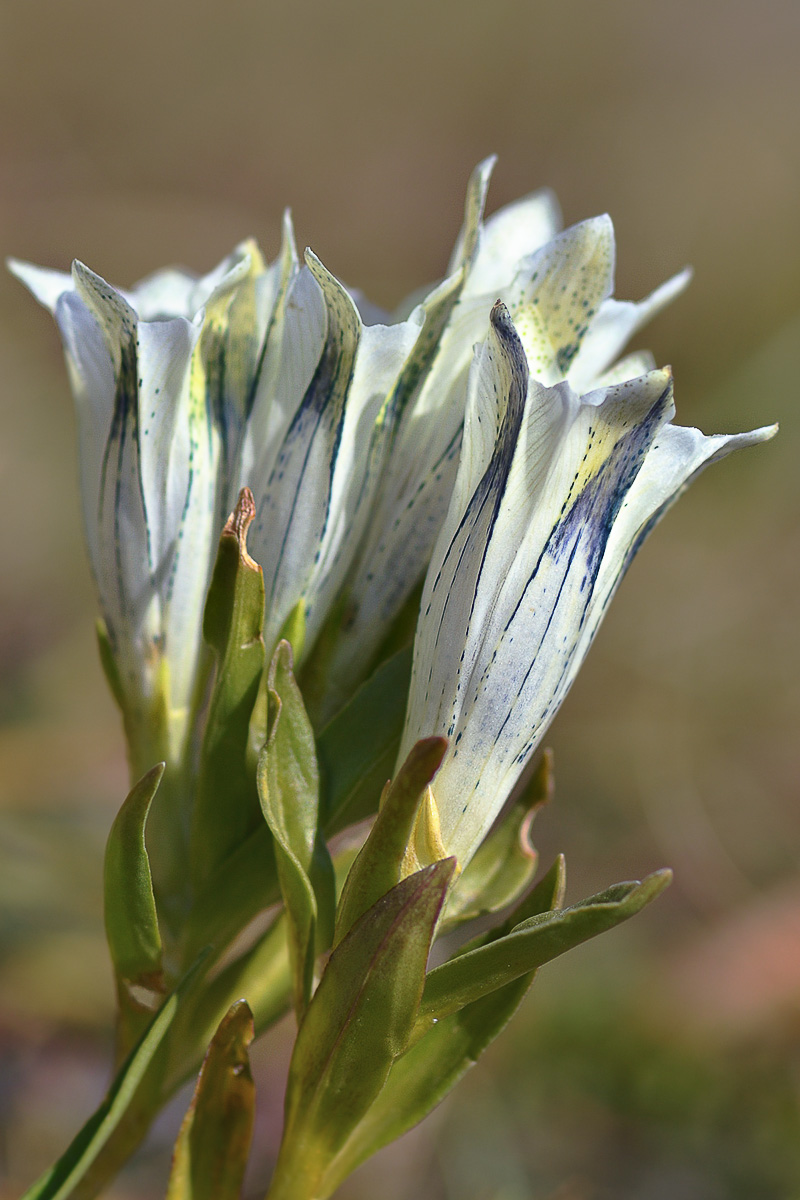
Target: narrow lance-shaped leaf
x,y
382,861
504,865
422,1077
288,787
115,1129
130,909
546,896
211,1152
226,803
131,919
528,946
357,1024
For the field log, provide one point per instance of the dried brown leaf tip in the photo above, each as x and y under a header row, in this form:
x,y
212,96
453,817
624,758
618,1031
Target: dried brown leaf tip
x,y
239,522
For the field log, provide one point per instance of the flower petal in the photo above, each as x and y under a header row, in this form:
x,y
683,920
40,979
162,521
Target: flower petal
x,y
512,595
614,325
313,505
515,230
46,285
557,292
499,386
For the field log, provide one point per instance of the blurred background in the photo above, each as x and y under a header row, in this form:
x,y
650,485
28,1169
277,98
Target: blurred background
x,y
664,1059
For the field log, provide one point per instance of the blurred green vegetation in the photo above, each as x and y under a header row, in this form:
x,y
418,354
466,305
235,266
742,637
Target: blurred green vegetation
x,y
664,1061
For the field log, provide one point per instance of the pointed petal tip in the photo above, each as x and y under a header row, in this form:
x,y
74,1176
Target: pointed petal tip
x,y
666,292
288,241
84,277
499,313
316,266
45,284
18,266
740,441
504,328
601,225
486,167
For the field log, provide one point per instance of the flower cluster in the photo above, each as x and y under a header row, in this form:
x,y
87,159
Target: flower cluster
x,y
488,440
483,464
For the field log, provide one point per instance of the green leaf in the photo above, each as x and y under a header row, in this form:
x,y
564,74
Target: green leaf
x,y
421,1079
529,945
210,1154
288,787
226,805
358,748
547,895
118,1125
380,864
358,1022
505,863
423,1076
130,909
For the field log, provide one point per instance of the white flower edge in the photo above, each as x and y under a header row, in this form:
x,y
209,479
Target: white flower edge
x,y
555,494
559,295
149,462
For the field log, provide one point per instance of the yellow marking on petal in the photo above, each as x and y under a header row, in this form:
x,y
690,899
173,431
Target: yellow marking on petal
x,y
425,845
560,299
115,316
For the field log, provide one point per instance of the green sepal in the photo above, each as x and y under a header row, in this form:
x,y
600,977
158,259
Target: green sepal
x,y
146,721
114,1130
226,805
261,975
505,863
358,748
358,1022
131,918
379,865
210,1154
422,1077
288,788
537,940
109,663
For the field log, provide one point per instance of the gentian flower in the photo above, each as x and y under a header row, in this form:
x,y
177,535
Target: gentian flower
x,y
555,493
154,414
312,447
515,255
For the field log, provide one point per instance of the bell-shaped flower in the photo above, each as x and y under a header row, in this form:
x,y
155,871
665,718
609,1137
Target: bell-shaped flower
x,y
311,450
558,288
555,493
146,369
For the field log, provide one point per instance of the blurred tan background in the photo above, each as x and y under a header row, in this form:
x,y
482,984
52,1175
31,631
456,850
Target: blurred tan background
x,y
663,1060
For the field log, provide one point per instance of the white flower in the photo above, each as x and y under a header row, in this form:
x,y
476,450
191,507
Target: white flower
x,y
559,290
153,415
555,492
186,390
312,447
